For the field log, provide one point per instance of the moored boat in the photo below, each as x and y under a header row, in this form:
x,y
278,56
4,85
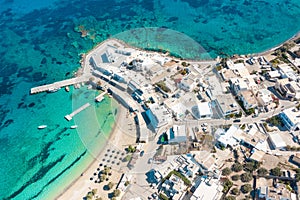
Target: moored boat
x,y
74,126
42,126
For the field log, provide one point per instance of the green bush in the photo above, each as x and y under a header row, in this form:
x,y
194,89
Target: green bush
x,y
237,167
246,177
235,191
276,171
262,171
235,177
227,184
226,171
246,188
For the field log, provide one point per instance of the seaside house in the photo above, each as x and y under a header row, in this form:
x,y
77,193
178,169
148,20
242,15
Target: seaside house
x,y
231,137
177,134
265,100
291,118
173,188
287,72
288,89
277,141
248,99
209,188
226,105
157,116
241,84
202,110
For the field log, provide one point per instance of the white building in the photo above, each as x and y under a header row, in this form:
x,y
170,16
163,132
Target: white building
x,y
177,134
202,110
248,99
187,84
158,116
291,118
277,141
226,105
288,89
264,98
209,189
229,138
287,72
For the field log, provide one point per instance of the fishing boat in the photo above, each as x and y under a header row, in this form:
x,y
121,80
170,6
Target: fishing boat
x,y
74,126
42,126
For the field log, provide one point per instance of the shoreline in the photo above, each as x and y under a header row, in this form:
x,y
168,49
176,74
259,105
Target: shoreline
x,y
84,178
94,163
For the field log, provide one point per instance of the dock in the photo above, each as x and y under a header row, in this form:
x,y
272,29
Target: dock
x,y
70,116
57,85
100,96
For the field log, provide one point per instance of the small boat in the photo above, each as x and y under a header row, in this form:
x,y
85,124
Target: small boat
x,y
42,126
67,88
52,89
74,126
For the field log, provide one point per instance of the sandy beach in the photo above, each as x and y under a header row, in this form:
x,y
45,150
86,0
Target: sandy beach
x,y
122,135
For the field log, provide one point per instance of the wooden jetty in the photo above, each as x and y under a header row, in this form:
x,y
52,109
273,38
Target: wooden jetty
x,y
70,116
100,96
57,85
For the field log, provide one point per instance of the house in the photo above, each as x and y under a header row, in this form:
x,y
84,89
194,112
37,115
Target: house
x,y
173,187
187,84
241,84
202,110
209,188
177,134
157,116
263,192
264,98
229,138
291,118
295,159
288,89
226,105
277,141
248,99
287,72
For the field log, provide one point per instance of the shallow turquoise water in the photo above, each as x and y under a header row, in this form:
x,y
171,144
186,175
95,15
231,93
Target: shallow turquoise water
x,y
40,43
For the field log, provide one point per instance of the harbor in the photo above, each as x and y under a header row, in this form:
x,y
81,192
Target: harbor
x,y
58,85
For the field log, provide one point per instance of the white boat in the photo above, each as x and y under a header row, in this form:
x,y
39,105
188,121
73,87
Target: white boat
x,y
52,89
74,126
42,126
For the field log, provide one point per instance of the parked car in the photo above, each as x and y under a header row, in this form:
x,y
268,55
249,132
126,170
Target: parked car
x,y
142,153
237,120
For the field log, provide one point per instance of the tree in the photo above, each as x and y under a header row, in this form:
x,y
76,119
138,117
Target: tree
x,y
117,193
110,185
226,171
235,191
251,166
262,171
230,198
246,177
276,171
246,188
94,191
131,149
227,184
102,177
237,167
235,177
127,183
99,198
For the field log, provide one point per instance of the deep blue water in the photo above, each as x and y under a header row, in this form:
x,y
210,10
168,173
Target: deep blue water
x,y
41,43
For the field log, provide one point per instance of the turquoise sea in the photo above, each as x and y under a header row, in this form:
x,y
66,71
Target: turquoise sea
x,y
41,42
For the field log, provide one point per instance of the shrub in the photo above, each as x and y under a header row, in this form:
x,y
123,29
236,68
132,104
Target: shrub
x,y
226,171
246,188
276,171
230,198
117,193
235,177
262,171
246,177
227,184
237,167
110,185
235,191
